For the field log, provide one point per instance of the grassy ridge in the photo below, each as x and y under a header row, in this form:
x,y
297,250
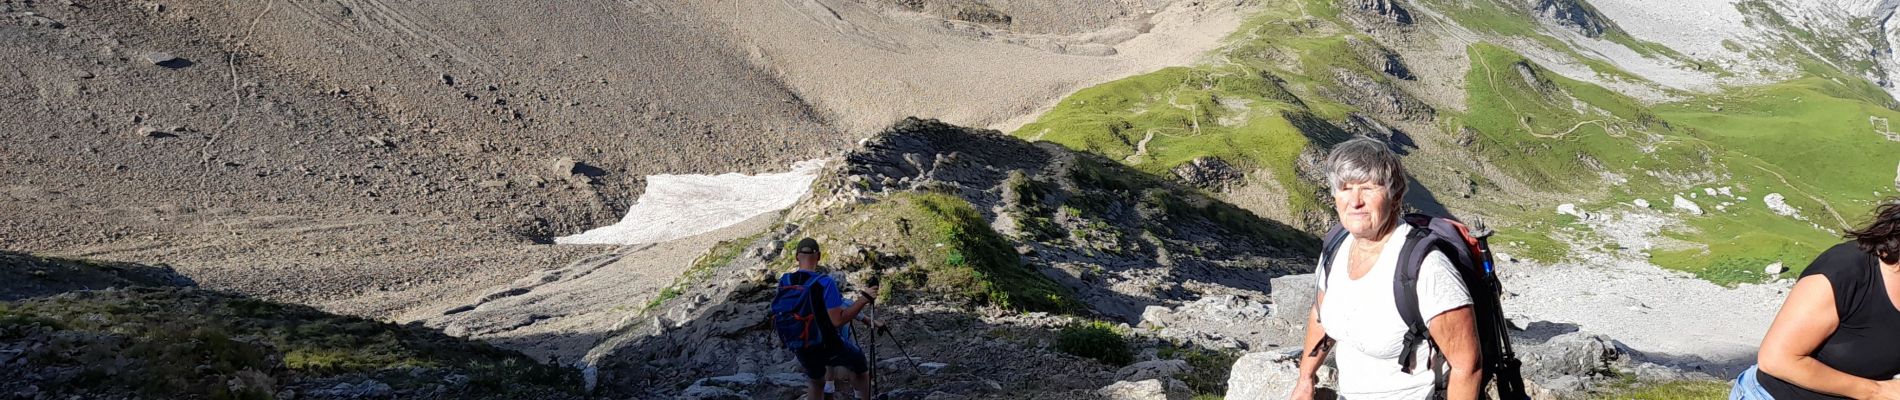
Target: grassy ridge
x,y
953,253
1255,109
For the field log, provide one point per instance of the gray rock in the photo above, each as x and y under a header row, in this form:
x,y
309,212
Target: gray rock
x,y
944,396
154,132
1157,369
1152,389
710,393
1390,9
788,379
1208,173
160,58
739,379
1576,14
1896,178
931,368
1775,269
1574,354
374,389
1264,375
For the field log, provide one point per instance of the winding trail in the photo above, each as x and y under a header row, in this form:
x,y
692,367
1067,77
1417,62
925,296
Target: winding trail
x,y
1824,205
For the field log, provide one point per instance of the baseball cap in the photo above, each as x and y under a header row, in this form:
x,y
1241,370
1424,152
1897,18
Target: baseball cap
x,y
807,246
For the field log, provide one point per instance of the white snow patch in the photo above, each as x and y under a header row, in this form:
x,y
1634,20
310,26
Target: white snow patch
x,y
677,206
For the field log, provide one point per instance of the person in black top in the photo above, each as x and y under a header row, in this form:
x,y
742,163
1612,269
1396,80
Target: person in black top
x,y
1838,334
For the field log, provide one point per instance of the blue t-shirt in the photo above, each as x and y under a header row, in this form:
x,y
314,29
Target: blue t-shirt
x,y
831,298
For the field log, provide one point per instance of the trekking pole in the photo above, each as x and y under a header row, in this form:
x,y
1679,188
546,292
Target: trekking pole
x,y
873,344
905,352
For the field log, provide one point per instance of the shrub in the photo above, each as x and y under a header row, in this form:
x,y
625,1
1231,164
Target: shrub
x,y
1097,340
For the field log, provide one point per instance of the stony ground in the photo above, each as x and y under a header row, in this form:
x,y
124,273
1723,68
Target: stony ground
x,y
379,158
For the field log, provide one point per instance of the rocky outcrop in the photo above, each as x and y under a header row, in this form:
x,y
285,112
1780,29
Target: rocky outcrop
x,y
1264,375
1208,173
1152,389
1389,9
1380,58
1379,98
1576,14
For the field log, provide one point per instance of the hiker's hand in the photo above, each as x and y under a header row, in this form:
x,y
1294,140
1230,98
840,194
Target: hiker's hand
x,y
869,292
1887,390
1302,390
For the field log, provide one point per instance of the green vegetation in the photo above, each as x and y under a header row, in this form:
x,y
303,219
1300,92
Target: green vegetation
x,y
719,255
180,342
1210,367
1554,133
1097,340
953,252
1817,142
1258,110
1275,91
1676,390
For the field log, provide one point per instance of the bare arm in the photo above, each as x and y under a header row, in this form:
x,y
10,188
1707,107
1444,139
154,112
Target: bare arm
x,y
1806,319
841,316
1455,333
1311,355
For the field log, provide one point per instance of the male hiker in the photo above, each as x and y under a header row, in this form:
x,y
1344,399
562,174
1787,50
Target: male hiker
x,y
808,314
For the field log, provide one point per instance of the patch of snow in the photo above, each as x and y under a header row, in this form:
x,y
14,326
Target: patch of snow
x,y
677,206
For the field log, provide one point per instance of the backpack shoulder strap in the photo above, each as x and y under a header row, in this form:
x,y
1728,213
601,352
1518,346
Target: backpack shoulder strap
x,y
1418,243
1334,238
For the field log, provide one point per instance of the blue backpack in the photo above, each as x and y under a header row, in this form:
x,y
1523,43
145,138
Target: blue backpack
x,y
800,322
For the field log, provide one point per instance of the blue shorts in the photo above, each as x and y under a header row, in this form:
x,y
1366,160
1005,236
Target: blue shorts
x,y
1745,387
817,360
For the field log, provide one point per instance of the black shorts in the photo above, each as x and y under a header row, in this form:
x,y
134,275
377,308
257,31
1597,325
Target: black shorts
x,y
818,359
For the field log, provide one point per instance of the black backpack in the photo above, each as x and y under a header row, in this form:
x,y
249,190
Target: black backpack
x,y
1471,254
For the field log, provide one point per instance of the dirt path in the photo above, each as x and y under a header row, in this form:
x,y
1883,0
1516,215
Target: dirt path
x,y
1824,205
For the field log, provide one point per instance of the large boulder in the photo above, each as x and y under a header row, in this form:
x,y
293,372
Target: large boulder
x,y
1152,389
1157,369
1219,321
1570,362
1264,375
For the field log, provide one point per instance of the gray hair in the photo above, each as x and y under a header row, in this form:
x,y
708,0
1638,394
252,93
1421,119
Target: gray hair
x,y
1365,159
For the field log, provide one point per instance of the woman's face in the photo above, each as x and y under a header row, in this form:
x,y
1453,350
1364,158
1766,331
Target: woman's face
x,y
1362,207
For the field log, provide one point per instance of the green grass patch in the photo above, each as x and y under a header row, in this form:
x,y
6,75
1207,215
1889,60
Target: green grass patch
x,y
1210,367
702,268
1676,390
1097,340
953,252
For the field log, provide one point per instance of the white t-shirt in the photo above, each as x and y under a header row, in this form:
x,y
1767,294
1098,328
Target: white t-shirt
x,y
1360,315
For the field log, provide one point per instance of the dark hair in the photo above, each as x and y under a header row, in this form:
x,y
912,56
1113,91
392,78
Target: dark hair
x,y
1881,237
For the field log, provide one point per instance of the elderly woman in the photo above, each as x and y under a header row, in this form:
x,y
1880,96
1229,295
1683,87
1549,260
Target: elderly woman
x,y
1838,333
1355,316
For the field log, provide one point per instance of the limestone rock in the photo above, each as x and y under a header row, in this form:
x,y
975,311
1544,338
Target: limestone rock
x,y
1264,375
1152,389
